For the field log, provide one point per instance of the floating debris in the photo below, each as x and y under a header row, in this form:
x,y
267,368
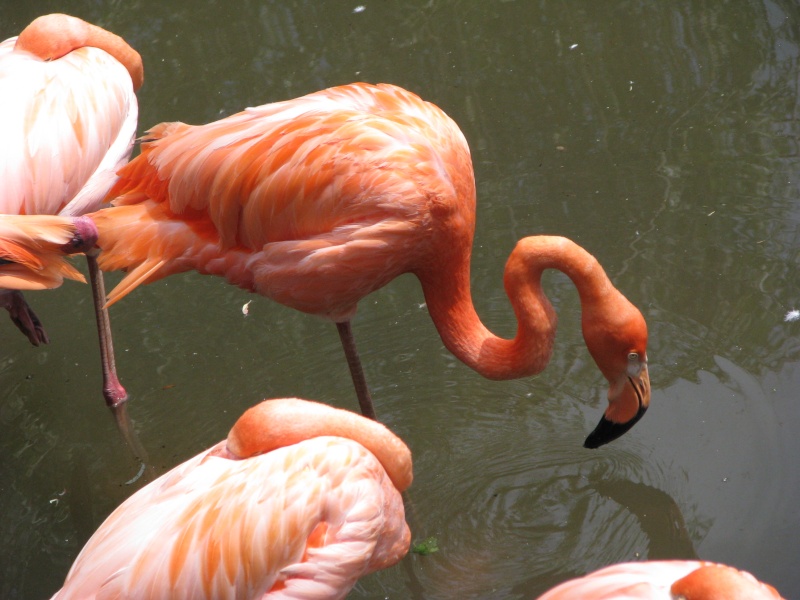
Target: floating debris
x,y
426,547
246,308
792,315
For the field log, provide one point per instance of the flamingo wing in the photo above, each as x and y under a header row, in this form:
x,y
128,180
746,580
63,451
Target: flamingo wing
x,y
67,126
336,187
303,521
31,252
293,169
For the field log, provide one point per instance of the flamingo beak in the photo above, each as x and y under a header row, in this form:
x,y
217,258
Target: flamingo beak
x,y
628,400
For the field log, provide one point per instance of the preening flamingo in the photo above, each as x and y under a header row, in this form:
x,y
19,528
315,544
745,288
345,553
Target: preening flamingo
x,y
300,501
68,123
316,202
665,580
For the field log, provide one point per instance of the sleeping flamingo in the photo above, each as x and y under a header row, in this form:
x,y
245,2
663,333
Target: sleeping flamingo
x,y
665,580
300,501
68,123
316,202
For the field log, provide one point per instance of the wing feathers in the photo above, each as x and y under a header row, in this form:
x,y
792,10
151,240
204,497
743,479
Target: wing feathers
x,y
67,125
305,516
31,257
288,170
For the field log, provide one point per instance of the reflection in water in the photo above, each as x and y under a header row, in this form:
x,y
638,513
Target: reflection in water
x,y
658,515
545,510
128,432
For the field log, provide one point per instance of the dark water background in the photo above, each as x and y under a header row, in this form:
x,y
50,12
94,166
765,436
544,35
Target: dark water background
x,y
663,137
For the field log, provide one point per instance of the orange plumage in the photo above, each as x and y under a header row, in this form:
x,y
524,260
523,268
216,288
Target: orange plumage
x,y
664,580
32,255
318,201
339,181
299,502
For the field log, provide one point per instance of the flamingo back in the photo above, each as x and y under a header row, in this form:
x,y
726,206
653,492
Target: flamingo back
x,y
304,521
664,580
342,188
67,126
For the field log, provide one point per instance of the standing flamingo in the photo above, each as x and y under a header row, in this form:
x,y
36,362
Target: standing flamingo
x,y
68,123
665,580
316,202
299,502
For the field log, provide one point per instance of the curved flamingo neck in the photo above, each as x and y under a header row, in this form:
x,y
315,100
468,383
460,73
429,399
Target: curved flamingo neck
x,y
275,424
450,305
52,36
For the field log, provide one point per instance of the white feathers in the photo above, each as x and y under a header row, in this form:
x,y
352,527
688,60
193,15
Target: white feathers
x,y
67,125
253,515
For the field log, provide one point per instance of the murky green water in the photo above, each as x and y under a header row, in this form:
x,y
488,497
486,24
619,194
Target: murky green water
x,y
660,136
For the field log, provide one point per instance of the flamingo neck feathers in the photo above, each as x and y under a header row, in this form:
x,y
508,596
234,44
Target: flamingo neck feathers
x,y
447,293
275,424
52,36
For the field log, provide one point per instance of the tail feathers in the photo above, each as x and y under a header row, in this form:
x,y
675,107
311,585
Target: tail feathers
x,y
139,179
32,255
144,273
143,240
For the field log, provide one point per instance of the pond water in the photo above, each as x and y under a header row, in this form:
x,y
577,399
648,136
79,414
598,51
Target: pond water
x,y
662,137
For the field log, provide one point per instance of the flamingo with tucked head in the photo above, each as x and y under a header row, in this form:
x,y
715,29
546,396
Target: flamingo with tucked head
x,y
68,123
665,580
318,201
300,501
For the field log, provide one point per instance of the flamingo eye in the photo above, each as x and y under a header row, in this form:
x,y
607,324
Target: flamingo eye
x,y
635,364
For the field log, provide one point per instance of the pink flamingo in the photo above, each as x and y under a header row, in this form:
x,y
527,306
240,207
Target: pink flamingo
x,y
68,123
316,202
665,580
300,501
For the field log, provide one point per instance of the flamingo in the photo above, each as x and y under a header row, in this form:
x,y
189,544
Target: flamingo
x,y
665,580
68,123
318,201
300,501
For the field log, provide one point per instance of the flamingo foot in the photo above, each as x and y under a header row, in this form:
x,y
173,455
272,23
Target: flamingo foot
x,y
23,316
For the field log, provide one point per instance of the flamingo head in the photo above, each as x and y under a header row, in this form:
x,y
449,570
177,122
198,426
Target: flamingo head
x,y
616,336
84,236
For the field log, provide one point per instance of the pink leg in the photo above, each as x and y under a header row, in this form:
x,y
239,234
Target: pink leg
x,y
113,391
23,316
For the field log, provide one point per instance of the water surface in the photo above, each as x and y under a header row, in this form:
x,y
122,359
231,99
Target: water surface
x,y
660,136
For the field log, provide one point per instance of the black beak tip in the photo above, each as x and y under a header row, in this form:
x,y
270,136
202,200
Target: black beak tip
x,y
607,431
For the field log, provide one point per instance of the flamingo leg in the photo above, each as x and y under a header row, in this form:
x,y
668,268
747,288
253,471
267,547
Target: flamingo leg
x,y
356,370
23,316
113,391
